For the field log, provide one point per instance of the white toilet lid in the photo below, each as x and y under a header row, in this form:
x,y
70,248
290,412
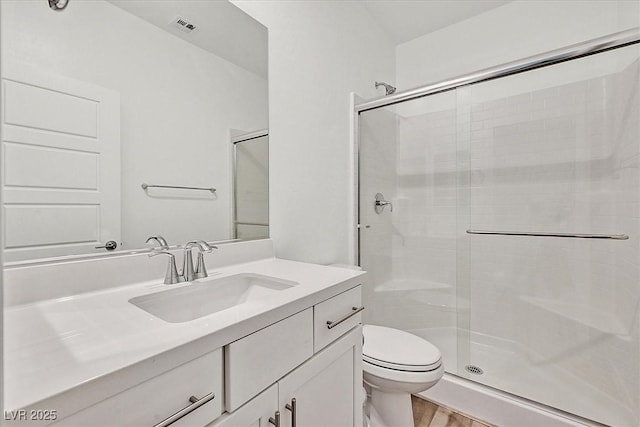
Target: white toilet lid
x,y
396,349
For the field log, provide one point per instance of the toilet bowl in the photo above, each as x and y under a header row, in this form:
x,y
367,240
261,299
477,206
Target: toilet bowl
x,y
395,365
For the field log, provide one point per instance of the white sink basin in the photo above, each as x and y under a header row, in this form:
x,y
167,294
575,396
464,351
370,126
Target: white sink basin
x,y
200,299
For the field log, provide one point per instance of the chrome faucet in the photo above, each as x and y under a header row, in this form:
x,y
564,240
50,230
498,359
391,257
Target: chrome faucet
x,y
161,241
171,277
188,272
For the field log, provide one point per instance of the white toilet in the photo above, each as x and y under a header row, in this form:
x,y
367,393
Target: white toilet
x,y
396,364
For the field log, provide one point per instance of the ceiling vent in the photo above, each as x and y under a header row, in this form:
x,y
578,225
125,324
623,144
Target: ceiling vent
x,y
184,25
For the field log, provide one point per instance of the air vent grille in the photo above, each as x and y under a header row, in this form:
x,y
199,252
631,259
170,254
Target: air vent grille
x,y
183,24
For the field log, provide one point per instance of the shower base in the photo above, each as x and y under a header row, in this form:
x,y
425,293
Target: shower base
x,y
507,369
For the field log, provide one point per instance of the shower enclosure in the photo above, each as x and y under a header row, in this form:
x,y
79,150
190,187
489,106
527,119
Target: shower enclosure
x,y
506,230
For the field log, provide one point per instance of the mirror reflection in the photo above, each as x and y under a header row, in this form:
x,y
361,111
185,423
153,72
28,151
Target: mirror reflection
x,y
105,96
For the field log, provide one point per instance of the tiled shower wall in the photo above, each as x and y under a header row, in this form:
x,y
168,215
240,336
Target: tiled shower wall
x,y
426,196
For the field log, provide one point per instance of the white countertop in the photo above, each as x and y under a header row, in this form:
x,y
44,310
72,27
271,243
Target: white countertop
x,y
77,343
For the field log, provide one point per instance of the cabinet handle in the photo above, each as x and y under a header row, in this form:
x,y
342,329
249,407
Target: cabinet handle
x,y
292,408
275,421
195,404
354,311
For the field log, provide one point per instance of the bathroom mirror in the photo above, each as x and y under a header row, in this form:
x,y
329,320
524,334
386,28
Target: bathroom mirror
x,y
119,123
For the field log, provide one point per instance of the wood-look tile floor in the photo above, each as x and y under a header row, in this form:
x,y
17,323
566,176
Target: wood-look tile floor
x,y
428,414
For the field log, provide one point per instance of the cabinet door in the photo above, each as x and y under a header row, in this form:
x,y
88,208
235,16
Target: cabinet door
x,y
255,413
327,389
258,360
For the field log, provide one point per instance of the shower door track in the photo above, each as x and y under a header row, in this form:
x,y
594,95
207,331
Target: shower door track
x,y
580,50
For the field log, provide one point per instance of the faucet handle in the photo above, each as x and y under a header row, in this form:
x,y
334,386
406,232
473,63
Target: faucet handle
x,y
201,268
204,246
171,277
161,241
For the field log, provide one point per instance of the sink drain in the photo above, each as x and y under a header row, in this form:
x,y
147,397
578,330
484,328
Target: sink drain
x,y
475,370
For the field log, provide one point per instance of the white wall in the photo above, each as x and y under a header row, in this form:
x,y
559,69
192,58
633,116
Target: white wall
x,y
516,30
318,53
178,105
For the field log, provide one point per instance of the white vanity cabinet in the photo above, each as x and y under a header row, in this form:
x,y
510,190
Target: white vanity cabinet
x,y
301,371
321,388
88,354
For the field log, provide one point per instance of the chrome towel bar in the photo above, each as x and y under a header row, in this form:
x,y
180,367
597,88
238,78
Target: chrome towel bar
x,y
538,234
145,186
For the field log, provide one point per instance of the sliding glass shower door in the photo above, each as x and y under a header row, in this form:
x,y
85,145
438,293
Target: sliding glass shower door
x,y
407,157
514,241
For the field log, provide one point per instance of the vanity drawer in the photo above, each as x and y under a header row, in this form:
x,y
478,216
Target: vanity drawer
x,y
344,313
258,360
157,399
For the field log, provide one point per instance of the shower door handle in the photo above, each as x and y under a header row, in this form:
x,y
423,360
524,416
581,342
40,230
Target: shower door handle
x,y
380,203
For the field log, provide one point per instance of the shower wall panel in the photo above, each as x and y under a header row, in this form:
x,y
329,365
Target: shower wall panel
x,y
426,215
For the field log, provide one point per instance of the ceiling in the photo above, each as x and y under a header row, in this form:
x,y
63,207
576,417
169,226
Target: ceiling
x,y
221,28
404,20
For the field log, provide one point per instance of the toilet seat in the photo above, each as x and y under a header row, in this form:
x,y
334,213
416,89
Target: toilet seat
x,y
396,380
398,350
403,368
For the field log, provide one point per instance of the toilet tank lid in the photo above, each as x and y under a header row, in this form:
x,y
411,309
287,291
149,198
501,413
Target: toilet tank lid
x,y
398,347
